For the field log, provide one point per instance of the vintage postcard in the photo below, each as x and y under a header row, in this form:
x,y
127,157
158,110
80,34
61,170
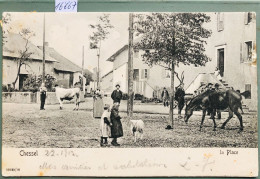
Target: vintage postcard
x,y
129,94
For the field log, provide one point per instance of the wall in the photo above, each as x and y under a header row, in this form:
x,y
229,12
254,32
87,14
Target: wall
x,y
10,69
107,83
63,79
235,33
19,97
120,77
29,97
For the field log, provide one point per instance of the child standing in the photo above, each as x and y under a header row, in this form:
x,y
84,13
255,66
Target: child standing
x,y
105,126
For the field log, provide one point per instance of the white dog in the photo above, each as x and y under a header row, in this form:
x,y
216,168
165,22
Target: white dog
x,y
137,127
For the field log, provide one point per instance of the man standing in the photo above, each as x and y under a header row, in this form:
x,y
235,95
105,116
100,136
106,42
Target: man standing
x,y
117,94
217,90
179,96
165,97
43,91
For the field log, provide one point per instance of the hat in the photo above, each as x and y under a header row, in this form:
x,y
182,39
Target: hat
x,y
168,127
210,84
106,106
117,85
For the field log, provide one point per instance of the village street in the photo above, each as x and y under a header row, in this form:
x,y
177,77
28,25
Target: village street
x,y
24,125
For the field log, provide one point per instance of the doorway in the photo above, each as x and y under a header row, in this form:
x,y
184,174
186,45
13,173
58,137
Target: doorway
x,y
22,78
221,61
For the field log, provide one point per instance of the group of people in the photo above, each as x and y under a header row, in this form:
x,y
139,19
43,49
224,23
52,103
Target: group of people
x,y
179,97
110,123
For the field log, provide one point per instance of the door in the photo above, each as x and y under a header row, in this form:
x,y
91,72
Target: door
x,y
221,61
22,78
71,80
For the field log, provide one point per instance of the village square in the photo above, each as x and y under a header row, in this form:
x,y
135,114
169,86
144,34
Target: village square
x,y
137,80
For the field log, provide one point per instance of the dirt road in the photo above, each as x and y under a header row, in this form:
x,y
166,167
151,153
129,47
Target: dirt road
x,y
24,125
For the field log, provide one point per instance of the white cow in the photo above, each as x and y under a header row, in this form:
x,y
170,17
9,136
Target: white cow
x,y
68,94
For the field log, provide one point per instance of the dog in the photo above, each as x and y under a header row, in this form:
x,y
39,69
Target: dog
x,y
137,127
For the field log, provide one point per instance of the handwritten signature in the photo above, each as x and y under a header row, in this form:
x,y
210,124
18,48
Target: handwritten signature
x,y
204,164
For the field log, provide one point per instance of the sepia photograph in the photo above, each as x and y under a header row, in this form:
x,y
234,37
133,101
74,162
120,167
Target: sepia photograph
x,y
123,81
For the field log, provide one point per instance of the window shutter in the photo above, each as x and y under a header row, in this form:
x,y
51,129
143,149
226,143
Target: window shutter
x,y
142,74
246,18
241,53
148,73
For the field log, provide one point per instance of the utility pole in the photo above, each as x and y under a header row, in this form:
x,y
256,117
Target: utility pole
x,y
43,51
82,72
130,100
98,73
172,94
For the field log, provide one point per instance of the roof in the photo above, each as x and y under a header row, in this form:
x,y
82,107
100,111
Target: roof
x,y
107,74
63,64
204,78
16,43
112,58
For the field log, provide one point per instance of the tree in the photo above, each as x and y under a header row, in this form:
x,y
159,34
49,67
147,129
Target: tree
x,y
33,82
24,54
169,39
100,33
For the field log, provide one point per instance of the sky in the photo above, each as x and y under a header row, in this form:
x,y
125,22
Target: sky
x,y
67,33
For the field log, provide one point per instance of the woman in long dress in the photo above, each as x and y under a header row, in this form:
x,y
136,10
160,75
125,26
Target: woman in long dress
x,y
98,105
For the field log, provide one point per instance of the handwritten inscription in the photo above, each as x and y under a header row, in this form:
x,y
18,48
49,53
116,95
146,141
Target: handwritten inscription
x,y
205,163
66,5
25,153
60,153
139,164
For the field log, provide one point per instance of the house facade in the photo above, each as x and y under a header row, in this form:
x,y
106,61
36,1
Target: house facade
x,y
65,71
106,82
11,56
146,79
231,47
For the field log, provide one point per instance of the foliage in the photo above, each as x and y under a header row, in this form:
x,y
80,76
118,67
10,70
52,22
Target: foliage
x,y
138,96
33,82
125,96
88,76
173,37
100,31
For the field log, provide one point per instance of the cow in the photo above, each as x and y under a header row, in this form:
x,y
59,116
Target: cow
x,y
68,94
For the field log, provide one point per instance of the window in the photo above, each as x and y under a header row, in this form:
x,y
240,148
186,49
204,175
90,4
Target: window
x,y
220,22
145,73
136,74
248,88
248,17
248,51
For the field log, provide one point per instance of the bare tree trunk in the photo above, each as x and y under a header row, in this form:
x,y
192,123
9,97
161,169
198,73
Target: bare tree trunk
x,y
171,113
18,73
130,69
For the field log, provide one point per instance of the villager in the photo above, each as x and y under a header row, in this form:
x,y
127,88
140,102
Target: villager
x,y
179,96
105,124
98,104
43,93
117,94
116,128
165,97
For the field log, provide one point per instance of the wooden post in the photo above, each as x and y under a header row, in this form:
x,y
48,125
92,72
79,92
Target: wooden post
x,y
82,73
172,94
43,51
130,101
